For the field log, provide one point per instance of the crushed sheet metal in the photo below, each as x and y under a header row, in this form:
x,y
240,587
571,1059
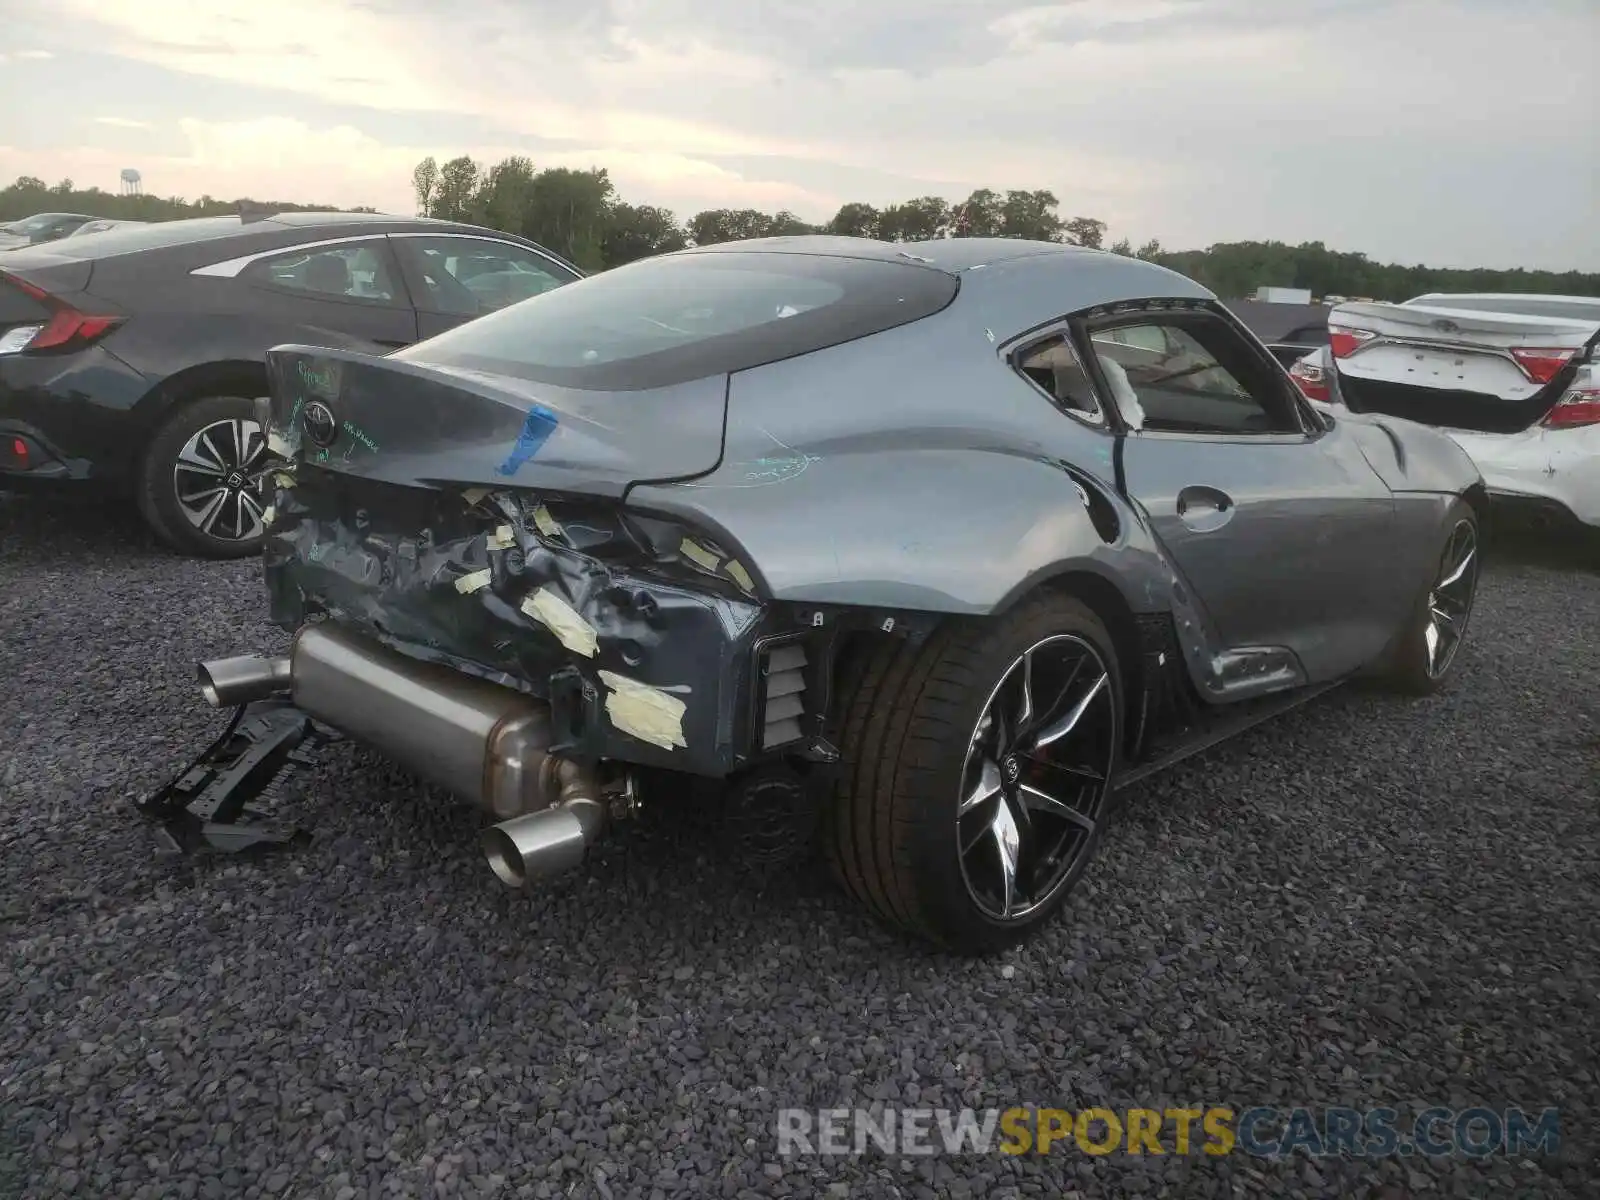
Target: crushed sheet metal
x,y
503,538
267,515
564,621
384,560
739,575
696,553
279,446
283,479
475,582
473,495
645,712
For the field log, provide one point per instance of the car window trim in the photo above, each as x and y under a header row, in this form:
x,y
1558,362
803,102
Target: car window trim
x,y
1086,323
400,301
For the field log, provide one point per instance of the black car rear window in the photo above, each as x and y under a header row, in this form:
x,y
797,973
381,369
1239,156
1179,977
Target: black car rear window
x,y
675,318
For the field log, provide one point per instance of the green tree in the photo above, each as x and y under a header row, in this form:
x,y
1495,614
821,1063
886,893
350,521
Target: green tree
x,y
728,225
425,185
918,220
1031,215
456,196
635,231
981,214
1084,231
568,211
855,220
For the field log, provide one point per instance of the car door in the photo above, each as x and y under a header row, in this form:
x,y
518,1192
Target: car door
x,y
352,286
455,277
1279,524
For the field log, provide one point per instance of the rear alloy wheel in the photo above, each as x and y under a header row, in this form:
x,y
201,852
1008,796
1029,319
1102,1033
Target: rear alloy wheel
x,y
1432,641
977,773
202,490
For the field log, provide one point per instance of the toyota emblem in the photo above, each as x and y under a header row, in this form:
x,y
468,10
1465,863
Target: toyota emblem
x,y
321,426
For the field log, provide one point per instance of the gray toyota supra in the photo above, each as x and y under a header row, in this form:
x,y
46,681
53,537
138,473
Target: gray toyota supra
x,y
919,550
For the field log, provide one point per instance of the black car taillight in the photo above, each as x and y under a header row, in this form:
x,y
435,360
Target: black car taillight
x,y
67,328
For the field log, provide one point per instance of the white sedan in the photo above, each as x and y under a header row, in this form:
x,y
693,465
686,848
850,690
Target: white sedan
x,y
1513,379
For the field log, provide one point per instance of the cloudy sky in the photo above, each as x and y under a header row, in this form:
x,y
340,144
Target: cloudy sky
x,y
1453,132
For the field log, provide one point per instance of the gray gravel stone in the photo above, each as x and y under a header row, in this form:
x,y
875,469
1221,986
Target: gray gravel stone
x,y
1370,902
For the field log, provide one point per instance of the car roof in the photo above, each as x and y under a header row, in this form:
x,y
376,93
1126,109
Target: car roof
x,y
952,255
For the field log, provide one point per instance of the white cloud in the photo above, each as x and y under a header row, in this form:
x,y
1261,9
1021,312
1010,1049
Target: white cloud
x,y
1190,120
280,158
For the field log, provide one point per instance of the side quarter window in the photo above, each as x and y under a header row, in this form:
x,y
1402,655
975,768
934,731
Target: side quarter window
x,y
1191,373
1055,367
349,271
467,276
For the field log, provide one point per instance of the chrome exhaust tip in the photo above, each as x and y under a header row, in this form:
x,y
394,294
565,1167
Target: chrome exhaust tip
x,y
229,682
543,845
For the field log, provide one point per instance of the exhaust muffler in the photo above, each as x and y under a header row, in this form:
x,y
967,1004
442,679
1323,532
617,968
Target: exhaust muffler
x,y
483,742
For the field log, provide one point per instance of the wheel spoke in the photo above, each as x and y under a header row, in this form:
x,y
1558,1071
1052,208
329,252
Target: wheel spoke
x,y
1079,775
1025,709
1046,803
1459,571
1430,635
190,458
988,785
1060,729
1008,846
204,517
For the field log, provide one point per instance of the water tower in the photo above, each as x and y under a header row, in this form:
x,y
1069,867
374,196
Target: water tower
x,y
132,185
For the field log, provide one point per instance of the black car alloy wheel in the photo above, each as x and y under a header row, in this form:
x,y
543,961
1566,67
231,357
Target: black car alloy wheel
x,y
1035,784
217,482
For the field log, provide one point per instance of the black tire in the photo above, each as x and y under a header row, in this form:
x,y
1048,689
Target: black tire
x,y
162,487
910,723
1409,667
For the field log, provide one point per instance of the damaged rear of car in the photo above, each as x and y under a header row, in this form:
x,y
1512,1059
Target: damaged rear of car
x,y
452,539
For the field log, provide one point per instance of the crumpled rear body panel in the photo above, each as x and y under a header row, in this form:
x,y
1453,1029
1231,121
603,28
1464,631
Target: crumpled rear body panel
x,y
444,576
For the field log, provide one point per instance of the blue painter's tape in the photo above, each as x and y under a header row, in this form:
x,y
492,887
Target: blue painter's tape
x,y
536,430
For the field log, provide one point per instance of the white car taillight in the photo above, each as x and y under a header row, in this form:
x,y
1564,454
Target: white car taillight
x,y
1344,340
1311,379
1578,408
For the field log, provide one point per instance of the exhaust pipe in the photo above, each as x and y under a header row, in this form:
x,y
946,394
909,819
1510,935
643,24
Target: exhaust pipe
x,y
230,682
483,742
541,845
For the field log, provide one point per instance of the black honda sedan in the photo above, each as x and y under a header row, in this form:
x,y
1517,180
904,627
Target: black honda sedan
x,y
130,359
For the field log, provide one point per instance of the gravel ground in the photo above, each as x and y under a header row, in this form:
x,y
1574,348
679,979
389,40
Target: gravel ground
x,y
1366,903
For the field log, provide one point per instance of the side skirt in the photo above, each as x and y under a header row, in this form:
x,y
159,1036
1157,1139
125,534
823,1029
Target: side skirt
x,y
1218,725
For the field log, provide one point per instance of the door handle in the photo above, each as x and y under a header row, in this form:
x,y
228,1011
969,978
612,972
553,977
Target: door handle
x,y
393,344
1203,509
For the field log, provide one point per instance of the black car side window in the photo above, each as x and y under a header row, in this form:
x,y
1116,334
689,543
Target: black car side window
x,y
1190,373
467,277
348,272
1055,367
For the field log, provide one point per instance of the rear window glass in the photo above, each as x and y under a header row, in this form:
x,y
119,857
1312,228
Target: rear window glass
x,y
668,320
132,238
1526,306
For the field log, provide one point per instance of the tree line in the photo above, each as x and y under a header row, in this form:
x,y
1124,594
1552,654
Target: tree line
x,y
579,214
